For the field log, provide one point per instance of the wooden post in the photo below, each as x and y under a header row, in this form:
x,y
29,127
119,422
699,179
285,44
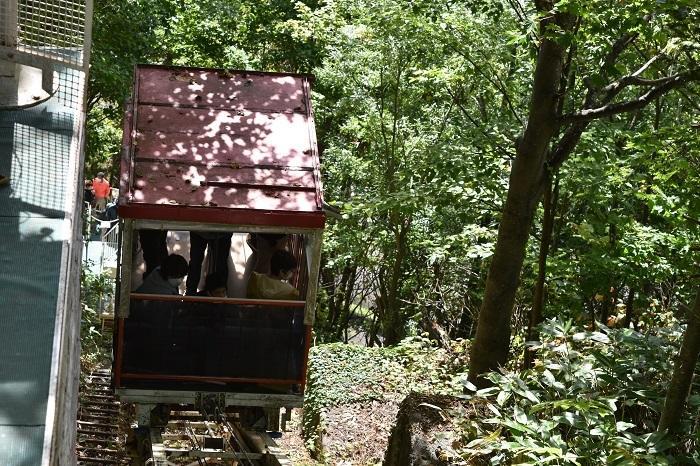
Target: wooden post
x,y
125,269
314,253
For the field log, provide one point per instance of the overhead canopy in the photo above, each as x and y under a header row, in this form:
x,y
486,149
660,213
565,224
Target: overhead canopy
x,y
216,146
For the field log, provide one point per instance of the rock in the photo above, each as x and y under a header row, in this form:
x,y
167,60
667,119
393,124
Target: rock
x,y
422,432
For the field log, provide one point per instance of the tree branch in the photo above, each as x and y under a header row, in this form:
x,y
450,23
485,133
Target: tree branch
x,y
543,5
92,101
567,77
567,143
682,92
524,23
637,81
517,9
501,89
478,126
667,84
498,84
649,62
618,47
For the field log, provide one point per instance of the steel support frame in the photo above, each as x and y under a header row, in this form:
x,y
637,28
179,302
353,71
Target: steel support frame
x,y
264,449
264,400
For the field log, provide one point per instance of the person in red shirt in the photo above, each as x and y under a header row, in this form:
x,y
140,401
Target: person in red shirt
x,y
101,188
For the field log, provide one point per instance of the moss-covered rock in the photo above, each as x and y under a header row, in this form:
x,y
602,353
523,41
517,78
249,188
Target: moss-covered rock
x,y
354,376
424,432
341,374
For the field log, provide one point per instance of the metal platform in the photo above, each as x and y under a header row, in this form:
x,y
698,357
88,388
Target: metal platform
x,y
39,267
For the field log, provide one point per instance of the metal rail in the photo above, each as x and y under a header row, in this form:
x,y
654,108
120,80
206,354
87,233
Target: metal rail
x,y
188,435
234,434
195,429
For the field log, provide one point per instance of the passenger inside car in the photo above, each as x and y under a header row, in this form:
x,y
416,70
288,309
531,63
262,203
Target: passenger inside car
x,y
275,285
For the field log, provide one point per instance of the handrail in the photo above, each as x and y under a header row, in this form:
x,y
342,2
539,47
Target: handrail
x,y
110,244
113,228
111,237
216,300
101,220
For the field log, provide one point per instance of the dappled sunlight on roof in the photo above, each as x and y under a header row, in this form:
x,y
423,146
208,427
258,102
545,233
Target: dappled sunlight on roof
x,y
222,140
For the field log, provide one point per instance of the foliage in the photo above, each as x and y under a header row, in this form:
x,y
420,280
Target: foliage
x,y
104,142
212,33
402,161
95,290
419,232
622,220
592,398
420,106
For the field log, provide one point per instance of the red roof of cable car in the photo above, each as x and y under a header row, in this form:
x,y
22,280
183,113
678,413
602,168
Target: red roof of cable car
x,y
217,146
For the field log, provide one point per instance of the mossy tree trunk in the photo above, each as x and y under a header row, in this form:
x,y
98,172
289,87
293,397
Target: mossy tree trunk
x,y
678,390
526,183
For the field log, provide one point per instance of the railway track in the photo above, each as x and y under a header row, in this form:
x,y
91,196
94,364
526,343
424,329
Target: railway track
x,y
191,438
106,434
100,439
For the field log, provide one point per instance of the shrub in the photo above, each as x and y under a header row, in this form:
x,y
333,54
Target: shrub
x,y
593,398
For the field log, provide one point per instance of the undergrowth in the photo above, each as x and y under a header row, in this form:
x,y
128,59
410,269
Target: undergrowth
x,y
592,398
95,345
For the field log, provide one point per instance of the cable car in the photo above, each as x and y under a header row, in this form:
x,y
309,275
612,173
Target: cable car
x,y
221,168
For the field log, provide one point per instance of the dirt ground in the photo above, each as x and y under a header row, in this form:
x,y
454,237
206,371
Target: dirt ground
x,y
356,435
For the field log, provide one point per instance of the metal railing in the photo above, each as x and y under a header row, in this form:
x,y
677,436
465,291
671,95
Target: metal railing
x,y
57,31
110,246
108,242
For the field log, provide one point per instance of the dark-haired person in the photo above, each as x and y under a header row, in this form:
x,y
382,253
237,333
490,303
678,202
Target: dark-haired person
x,y
88,193
166,278
263,246
154,246
274,285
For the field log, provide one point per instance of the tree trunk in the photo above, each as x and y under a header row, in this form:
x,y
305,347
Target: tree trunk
x,y
328,283
490,349
679,388
549,207
392,319
605,308
372,336
466,323
348,292
629,309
